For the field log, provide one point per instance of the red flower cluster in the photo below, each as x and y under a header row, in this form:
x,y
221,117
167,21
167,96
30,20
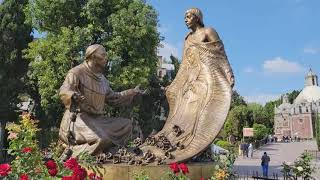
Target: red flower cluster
x,y
78,173
24,177
27,150
93,176
52,167
175,167
4,169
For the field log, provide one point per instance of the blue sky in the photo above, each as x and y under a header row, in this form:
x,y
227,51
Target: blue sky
x,y
271,44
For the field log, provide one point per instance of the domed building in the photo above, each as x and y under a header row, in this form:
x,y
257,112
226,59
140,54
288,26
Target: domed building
x,y
298,119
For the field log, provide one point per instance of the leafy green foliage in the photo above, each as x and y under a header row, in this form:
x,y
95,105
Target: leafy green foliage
x,y
51,58
302,167
259,131
293,95
236,120
317,128
14,37
259,114
237,100
225,145
30,161
176,63
141,176
128,30
224,167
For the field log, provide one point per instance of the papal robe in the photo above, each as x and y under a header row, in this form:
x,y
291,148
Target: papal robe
x,y
93,132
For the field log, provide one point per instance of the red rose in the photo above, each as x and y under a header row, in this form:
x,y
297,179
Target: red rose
x,y
4,169
53,172
202,178
67,178
24,177
174,167
27,150
184,168
71,163
93,176
79,173
51,164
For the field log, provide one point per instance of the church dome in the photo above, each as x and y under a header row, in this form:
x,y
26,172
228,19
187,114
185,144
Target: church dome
x,y
308,94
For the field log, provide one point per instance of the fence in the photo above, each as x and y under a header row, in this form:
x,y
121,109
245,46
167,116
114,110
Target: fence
x,y
255,175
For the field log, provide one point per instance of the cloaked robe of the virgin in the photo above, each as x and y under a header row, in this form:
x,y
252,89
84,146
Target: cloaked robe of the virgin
x,y
93,131
199,99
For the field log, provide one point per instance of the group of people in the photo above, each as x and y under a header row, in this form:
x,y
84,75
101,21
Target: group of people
x,y
290,139
246,149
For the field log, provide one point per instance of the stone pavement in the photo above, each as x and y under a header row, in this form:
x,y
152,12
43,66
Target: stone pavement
x,y
278,152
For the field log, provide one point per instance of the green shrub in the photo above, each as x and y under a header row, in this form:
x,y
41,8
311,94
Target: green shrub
x,y
224,144
259,131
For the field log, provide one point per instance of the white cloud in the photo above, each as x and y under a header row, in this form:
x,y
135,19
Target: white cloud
x,y
167,49
311,50
248,70
261,98
280,65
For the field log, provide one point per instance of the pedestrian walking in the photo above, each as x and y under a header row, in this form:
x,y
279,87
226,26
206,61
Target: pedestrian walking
x,y
250,150
265,159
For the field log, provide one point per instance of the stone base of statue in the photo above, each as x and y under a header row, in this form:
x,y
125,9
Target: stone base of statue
x,y
127,172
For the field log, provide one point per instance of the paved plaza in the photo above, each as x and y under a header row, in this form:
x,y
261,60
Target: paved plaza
x,y
278,152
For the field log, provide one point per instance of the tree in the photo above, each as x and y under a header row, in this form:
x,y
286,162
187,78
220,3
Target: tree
x,y
293,95
259,114
237,99
269,109
128,30
236,120
259,131
14,38
176,63
317,129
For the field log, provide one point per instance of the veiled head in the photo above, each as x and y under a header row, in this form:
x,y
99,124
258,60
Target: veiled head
x,y
197,13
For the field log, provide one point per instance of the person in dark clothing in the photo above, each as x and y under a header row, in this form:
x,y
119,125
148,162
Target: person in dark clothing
x,y
247,149
265,159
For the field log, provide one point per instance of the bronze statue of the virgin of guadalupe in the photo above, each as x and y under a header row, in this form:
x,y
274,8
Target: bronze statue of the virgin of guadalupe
x,y
200,95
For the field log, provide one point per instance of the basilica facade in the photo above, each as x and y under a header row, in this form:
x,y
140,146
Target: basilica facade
x,y
298,119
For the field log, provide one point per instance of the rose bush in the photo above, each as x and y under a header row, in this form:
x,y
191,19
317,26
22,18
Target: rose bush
x,y
31,163
179,171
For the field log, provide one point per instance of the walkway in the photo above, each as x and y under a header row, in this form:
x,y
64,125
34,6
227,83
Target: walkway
x,y
278,152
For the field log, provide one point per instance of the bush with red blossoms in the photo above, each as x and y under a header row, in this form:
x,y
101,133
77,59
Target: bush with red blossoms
x,y
179,171
24,177
27,150
29,160
4,169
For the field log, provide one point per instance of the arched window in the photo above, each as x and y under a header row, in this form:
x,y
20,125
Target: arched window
x,y
300,109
